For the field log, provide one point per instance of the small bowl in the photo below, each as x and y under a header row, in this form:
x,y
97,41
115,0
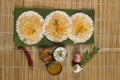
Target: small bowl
x,y
54,68
46,56
60,54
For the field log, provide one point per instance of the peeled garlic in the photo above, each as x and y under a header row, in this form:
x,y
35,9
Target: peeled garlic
x,y
77,68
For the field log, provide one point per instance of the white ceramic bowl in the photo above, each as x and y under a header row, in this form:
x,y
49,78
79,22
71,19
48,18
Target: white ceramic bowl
x,y
60,54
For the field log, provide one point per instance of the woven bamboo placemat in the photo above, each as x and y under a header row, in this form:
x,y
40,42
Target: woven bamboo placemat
x,y
104,66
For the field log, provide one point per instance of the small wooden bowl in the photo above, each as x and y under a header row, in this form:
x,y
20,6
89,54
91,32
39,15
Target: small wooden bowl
x,y
54,68
46,56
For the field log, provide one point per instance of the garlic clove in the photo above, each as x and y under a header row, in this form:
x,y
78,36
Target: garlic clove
x,y
77,68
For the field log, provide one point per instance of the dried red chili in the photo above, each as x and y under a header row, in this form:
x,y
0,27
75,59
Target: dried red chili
x,y
30,61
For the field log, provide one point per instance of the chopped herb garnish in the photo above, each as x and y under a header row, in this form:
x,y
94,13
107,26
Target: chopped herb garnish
x,y
77,32
56,22
88,56
60,53
33,31
81,29
52,65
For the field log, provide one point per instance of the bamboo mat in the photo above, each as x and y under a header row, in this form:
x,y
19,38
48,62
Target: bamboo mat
x,y
104,66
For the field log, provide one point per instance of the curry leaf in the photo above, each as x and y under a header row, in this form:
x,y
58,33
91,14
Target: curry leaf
x,y
88,56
